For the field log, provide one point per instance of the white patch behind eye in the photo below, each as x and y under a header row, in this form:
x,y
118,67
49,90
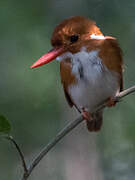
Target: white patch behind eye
x,y
93,36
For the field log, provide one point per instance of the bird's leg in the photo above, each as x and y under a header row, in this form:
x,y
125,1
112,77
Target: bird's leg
x,y
111,102
86,115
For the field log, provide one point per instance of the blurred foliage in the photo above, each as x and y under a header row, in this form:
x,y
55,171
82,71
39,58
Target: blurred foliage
x,y
4,125
33,99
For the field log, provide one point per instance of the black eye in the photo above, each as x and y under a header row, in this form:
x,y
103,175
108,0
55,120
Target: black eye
x,y
74,38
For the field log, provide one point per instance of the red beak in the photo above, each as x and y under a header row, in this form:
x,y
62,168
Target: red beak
x,y
48,57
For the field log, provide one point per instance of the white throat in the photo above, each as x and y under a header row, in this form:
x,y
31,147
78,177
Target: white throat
x,y
90,62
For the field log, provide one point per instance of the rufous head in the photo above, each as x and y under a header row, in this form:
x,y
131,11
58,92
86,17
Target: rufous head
x,y
68,37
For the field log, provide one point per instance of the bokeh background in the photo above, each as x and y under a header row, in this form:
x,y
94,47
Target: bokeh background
x,y
34,102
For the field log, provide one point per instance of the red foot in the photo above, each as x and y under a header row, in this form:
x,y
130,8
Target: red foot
x,y
111,102
86,115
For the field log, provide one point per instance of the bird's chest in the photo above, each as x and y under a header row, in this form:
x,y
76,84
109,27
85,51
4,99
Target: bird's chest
x,y
94,82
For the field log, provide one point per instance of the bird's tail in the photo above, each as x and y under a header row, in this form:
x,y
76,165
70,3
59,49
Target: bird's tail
x,y
96,121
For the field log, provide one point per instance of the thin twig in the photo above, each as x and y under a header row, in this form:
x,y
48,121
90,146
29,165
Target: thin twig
x,y
20,153
66,130
50,145
126,92
118,97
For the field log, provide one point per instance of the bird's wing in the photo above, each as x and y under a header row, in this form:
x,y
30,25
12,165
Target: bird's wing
x,y
111,55
121,83
68,98
67,79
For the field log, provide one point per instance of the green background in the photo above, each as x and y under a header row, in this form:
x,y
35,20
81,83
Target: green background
x,y
34,102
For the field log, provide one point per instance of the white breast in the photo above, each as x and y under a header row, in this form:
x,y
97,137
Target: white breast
x,y
95,83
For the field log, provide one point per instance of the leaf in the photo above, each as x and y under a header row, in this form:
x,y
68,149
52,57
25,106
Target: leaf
x,y
5,126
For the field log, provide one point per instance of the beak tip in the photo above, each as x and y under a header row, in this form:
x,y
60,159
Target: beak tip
x,y
46,58
31,67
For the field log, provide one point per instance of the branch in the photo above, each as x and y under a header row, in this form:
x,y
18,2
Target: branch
x,y
118,97
65,131
20,153
125,92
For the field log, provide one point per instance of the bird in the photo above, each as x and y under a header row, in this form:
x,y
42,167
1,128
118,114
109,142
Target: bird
x,y
91,67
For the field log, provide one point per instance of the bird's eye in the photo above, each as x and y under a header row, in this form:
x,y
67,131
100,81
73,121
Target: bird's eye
x,y
74,38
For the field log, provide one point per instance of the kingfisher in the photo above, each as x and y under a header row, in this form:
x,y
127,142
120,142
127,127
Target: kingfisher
x,y
91,67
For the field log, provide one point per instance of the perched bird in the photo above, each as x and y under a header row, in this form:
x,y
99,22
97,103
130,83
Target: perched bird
x,y
90,66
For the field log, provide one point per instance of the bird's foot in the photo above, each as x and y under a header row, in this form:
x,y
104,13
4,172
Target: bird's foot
x,y
86,115
111,102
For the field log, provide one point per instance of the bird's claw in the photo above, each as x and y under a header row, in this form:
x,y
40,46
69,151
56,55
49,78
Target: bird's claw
x,y
111,102
86,115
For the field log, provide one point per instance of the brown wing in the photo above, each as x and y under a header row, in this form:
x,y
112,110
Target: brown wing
x,y
69,100
111,54
68,97
67,78
121,83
